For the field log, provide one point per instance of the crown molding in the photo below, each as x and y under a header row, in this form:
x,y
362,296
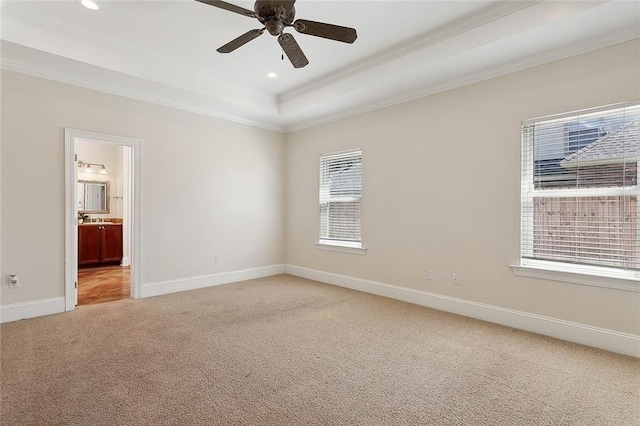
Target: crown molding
x,y
567,51
46,30
440,60
154,98
457,27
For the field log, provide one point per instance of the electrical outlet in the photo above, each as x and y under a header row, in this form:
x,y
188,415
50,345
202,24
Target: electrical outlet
x,y
216,259
456,279
14,281
430,275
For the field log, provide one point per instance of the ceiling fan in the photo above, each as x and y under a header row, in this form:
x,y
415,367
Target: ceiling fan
x,y
276,15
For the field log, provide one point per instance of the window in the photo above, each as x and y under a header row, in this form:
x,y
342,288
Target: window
x,y
580,193
341,199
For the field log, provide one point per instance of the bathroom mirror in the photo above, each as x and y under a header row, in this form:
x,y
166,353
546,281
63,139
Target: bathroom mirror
x,y
93,196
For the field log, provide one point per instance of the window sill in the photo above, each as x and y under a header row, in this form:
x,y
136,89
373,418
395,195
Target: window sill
x,y
341,249
600,277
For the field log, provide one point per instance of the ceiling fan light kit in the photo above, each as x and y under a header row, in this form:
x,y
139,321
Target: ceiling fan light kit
x,y
276,16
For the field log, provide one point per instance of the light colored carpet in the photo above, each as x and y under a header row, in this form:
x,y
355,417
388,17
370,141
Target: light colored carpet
x,y
288,351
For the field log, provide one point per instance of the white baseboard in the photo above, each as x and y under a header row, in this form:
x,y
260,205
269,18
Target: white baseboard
x,y
125,261
614,341
36,308
192,283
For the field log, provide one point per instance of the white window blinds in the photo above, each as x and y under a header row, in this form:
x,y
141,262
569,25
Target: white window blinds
x,y
340,198
580,189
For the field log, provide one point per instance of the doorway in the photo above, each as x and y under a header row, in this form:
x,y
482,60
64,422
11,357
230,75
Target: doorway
x,y
102,232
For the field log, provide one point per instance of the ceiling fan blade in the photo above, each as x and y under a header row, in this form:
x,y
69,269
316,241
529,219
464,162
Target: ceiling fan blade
x,y
330,31
293,51
230,7
240,41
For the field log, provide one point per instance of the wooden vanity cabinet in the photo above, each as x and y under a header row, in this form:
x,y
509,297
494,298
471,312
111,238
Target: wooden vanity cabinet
x,y
89,244
99,244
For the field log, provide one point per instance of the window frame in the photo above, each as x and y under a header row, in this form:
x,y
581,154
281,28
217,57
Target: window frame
x,y
600,276
342,246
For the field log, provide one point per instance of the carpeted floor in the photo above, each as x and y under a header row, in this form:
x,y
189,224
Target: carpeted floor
x,y
288,351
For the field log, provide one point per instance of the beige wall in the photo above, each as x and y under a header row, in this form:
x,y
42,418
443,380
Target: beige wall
x,y
210,187
441,177
442,188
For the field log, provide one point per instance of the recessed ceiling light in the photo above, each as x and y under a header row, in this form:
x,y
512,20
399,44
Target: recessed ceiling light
x,y
272,75
90,4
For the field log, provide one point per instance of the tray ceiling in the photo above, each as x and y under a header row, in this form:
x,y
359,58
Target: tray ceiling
x,y
165,51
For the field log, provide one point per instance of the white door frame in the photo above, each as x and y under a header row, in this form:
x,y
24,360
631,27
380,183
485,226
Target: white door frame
x,y
71,219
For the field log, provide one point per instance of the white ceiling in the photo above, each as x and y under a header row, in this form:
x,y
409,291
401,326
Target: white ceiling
x,y
164,51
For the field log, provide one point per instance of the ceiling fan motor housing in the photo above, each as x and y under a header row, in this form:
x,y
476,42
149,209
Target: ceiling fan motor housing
x,y
274,27
275,15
